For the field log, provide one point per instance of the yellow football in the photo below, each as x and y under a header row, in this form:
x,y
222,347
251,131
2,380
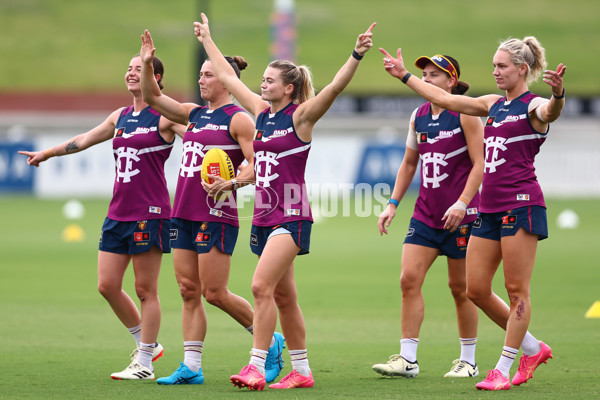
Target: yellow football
x,y
217,162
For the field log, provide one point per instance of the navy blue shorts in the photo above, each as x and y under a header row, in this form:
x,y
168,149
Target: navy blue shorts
x,y
506,223
300,231
134,237
450,244
202,236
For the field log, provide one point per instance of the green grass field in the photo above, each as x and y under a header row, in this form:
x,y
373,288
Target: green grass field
x,y
86,45
60,339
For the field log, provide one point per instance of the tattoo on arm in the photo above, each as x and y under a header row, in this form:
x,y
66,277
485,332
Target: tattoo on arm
x,y
71,146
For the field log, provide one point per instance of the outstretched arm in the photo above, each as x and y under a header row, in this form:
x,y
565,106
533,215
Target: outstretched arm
x,y
247,98
463,104
309,112
166,106
101,133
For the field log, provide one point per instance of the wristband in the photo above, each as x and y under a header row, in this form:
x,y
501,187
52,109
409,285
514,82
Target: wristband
x,y
356,55
405,77
562,95
234,185
394,202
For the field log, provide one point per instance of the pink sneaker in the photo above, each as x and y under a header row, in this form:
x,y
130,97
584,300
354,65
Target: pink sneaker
x,y
294,380
249,377
494,381
528,364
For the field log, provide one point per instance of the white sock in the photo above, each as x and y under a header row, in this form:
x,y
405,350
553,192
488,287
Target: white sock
x,y
192,351
530,345
408,349
300,361
136,332
144,356
257,358
506,360
467,349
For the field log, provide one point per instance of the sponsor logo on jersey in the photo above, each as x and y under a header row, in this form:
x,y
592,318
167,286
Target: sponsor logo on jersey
x,y
446,134
511,118
259,134
211,127
140,130
421,137
461,241
216,213
154,210
277,133
522,197
119,132
292,212
191,126
472,211
489,121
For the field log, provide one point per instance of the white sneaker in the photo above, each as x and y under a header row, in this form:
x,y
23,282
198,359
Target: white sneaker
x,y
134,371
462,369
156,353
397,366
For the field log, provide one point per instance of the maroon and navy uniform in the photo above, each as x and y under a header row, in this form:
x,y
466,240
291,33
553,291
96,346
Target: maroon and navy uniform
x,y
281,199
510,191
200,221
445,168
140,193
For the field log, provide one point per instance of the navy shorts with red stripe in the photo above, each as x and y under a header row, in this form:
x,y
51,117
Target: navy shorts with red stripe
x,y
300,231
134,237
201,236
506,223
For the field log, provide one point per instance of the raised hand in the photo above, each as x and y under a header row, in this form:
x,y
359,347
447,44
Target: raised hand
x,y
394,66
365,40
201,30
147,50
555,78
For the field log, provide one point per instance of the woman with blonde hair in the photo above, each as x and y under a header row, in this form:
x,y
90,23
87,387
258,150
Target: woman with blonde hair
x,y
512,212
286,112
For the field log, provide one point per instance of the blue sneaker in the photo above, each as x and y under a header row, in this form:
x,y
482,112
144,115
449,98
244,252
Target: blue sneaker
x,y
274,361
182,376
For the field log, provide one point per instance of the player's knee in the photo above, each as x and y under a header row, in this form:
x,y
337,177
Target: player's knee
x,y
108,290
145,292
215,297
516,293
261,291
189,290
284,299
458,289
409,282
476,294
